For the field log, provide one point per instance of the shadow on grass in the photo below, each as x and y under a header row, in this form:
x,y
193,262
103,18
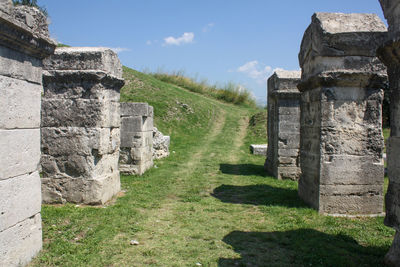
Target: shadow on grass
x,y
243,169
302,247
260,194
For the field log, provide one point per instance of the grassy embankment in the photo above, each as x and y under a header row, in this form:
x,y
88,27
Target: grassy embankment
x,y
209,203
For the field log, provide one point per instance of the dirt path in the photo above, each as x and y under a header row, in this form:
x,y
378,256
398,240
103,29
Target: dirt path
x,y
166,225
162,218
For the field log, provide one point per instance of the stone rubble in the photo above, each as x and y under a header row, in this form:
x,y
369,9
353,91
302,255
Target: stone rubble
x,y
283,125
160,144
341,114
136,155
81,126
24,43
389,54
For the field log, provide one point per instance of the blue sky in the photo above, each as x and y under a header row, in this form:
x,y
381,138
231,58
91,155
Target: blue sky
x,y
219,40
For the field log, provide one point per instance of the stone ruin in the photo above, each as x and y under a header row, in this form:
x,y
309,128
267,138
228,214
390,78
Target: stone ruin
x,y
81,126
136,155
389,54
160,144
341,114
283,125
24,42
260,150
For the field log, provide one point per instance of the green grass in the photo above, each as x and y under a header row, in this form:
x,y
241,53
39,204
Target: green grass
x,y
210,202
229,93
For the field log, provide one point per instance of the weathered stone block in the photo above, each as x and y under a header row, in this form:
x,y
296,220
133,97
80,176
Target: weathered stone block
x,y
148,124
81,84
79,166
341,99
259,149
337,41
85,58
85,191
80,113
24,42
135,168
19,104
20,152
79,141
22,199
351,170
132,124
353,203
15,65
78,152
142,153
136,138
81,126
283,125
130,109
21,242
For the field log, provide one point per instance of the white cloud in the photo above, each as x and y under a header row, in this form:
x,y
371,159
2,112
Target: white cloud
x,y
119,49
208,27
148,42
186,38
257,71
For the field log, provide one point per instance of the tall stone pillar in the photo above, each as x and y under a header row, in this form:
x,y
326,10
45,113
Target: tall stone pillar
x,y
81,126
24,42
341,114
283,125
136,155
389,53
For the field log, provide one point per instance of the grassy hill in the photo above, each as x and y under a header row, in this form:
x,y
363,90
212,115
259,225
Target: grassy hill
x,y
208,204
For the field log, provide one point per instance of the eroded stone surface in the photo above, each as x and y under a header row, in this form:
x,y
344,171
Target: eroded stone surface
x,y
160,144
136,138
259,149
81,126
389,54
283,125
24,42
85,58
341,97
21,242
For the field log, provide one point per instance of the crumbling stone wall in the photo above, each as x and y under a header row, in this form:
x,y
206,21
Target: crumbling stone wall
x,y
389,54
24,43
283,125
81,126
136,138
341,114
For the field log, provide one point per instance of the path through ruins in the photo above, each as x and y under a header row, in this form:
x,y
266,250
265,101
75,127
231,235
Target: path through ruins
x,y
211,205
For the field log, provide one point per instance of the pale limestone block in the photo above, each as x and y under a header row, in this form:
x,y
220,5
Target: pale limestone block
x,y
85,58
19,104
21,242
21,199
19,151
20,66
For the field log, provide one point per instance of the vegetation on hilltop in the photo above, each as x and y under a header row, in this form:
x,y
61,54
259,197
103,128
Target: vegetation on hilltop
x,y
229,93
